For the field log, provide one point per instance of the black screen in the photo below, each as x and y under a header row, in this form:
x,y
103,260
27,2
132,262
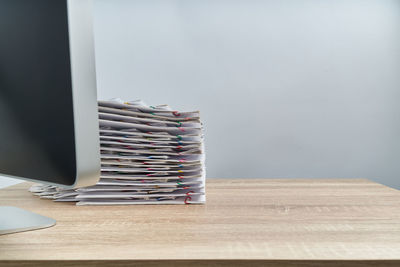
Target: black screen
x,y
36,112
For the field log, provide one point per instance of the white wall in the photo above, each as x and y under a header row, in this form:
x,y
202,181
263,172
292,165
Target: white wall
x,y
286,88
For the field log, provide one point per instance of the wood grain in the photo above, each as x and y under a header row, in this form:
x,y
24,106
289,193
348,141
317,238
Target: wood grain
x,y
282,222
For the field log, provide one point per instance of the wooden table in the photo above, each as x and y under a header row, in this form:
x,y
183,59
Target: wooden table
x,y
266,222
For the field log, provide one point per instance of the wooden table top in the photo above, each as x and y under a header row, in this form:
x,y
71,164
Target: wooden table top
x,y
255,221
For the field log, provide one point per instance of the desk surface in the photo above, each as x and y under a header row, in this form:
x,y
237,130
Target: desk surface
x,y
272,220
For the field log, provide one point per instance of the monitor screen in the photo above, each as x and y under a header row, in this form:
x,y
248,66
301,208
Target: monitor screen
x,y
36,113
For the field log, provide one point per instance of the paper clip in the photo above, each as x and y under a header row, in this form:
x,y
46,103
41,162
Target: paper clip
x,y
180,176
186,200
179,147
176,113
149,174
179,137
182,160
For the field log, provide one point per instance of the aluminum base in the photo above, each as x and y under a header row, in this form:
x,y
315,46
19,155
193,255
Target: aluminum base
x,y
13,220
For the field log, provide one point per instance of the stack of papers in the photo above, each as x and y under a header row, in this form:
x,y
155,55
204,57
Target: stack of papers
x,y
149,155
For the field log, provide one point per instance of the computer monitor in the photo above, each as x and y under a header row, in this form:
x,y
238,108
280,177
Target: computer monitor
x,y
49,130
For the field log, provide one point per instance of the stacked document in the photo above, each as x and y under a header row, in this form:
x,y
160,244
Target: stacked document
x,y
149,155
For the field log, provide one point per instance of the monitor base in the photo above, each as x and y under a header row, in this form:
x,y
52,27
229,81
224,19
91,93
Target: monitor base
x,y
13,220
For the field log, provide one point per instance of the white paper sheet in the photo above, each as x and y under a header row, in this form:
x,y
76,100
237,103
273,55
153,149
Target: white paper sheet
x,y
149,155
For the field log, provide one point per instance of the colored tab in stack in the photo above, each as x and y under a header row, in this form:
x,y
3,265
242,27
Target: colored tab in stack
x,y
149,155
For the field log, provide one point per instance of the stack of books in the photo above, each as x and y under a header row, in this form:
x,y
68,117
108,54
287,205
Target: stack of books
x,y
149,155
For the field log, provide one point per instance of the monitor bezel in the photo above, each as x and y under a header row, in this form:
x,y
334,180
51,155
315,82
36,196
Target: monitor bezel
x,y
84,96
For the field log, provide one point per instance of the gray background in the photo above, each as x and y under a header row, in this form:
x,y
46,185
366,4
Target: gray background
x,y
286,88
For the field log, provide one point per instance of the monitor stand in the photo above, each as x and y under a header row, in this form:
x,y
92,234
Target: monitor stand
x,y
13,220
